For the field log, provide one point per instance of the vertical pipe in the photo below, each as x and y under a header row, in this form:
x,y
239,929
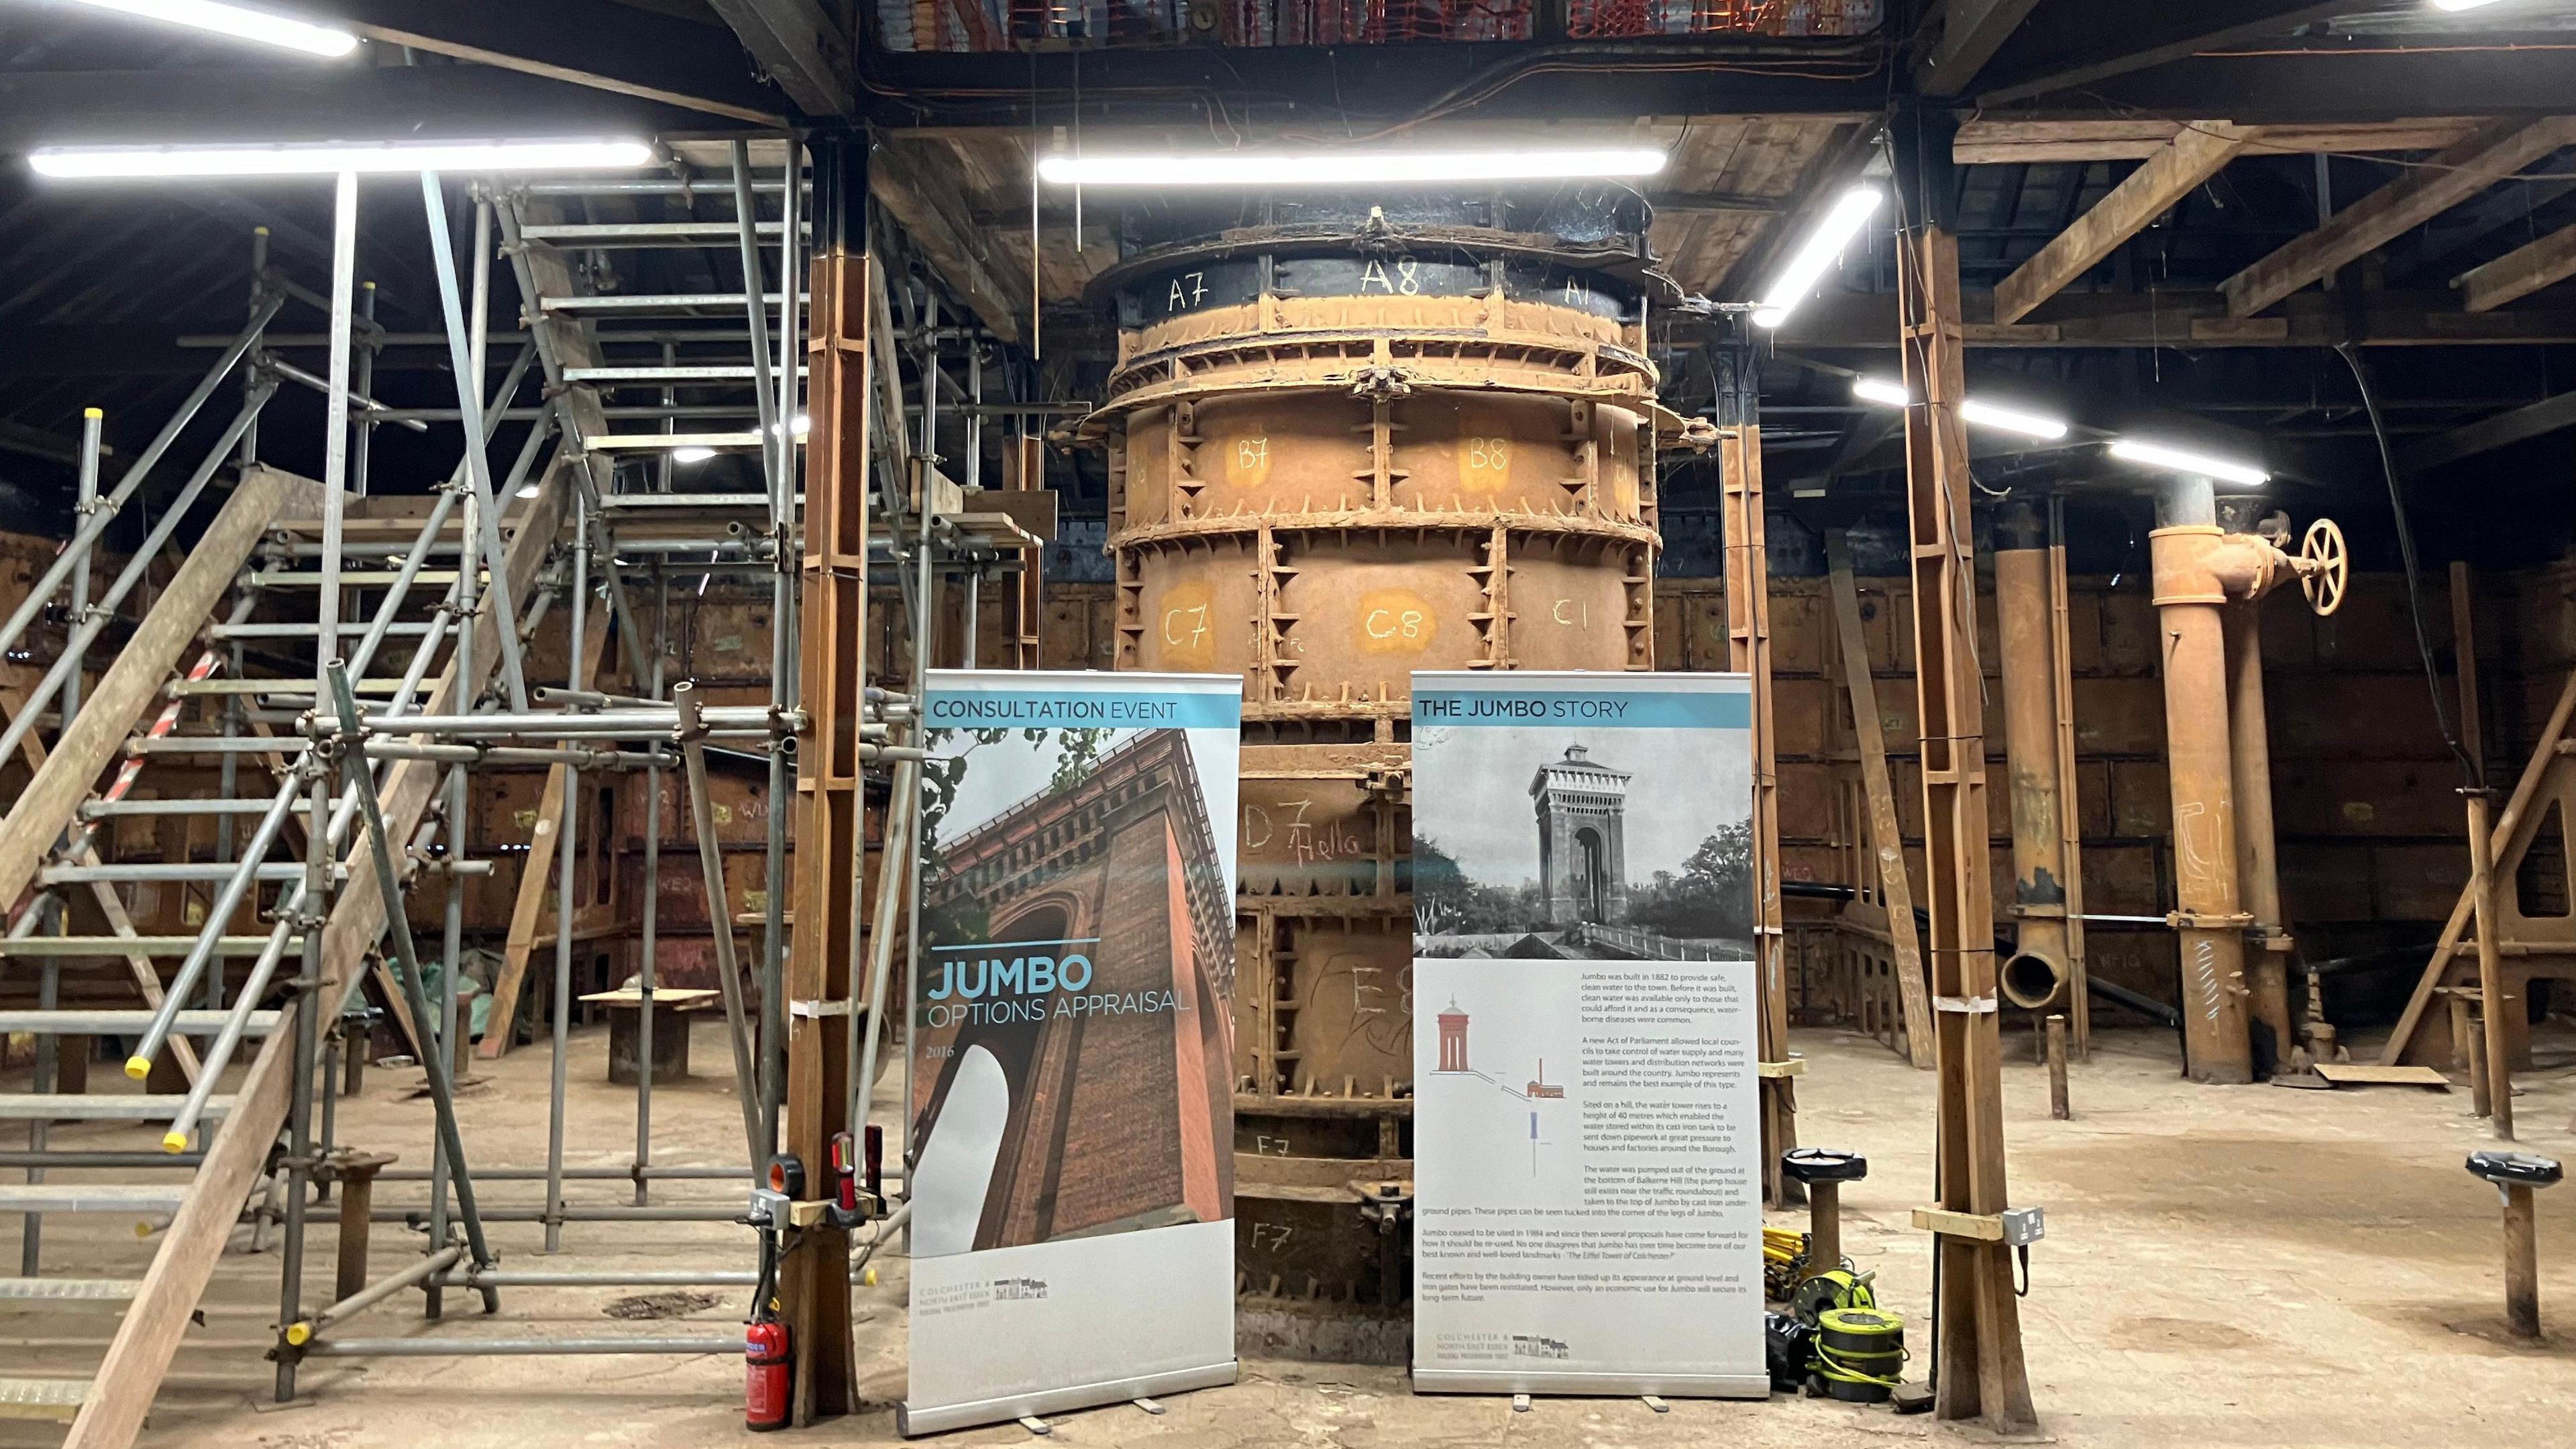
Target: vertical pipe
x,y
646,964
747,237
564,908
31,1230
318,862
2217,1044
86,503
451,1029
2036,975
778,455
2071,811
365,386
2257,848
478,467
249,444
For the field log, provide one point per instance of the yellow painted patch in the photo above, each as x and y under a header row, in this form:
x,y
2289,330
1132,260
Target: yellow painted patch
x,y
1247,458
1485,448
1184,627
1395,621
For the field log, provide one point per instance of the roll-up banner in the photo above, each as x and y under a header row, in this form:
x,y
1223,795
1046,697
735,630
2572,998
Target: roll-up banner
x,y
1588,1209
1072,1043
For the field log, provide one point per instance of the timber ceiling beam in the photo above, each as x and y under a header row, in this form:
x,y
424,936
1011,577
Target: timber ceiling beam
x,y
2505,429
2202,150
2078,43
595,43
2035,140
2198,320
1971,32
2519,273
800,48
2494,151
905,177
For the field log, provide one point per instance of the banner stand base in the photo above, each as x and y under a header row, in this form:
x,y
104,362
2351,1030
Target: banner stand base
x,y
911,1422
1595,1386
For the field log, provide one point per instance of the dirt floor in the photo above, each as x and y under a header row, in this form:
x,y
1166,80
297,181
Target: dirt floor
x,y
2224,1266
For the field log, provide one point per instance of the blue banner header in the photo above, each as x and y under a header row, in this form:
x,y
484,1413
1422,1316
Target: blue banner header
x,y
1083,709
1594,709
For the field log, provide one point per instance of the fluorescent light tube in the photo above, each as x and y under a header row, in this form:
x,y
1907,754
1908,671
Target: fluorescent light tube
x,y
240,22
332,158
1349,168
691,455
529,490
2012,420
2460,4
1815,254
2156,455
1984,415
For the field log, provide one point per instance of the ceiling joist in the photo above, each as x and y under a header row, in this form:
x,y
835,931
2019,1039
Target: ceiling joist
x,y
1971,32
2493,152
594,43
800,48
2521,272
2199,153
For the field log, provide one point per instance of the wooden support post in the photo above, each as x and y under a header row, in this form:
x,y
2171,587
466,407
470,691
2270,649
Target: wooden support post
x,y
2468,1051
814,1277
2057,1103
1025,471
2464,652
2495,1004
1886,839
2521,1263
1748,636
1824,1227
1980,1369
356,1174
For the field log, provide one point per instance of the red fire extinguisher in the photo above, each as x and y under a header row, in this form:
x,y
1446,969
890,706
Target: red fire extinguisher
x,y
765,1374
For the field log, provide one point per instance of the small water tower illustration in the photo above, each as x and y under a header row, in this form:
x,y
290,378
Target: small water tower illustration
x,y
1453,1038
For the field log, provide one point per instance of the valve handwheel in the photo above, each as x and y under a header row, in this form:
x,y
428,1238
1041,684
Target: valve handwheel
x,y
2329,566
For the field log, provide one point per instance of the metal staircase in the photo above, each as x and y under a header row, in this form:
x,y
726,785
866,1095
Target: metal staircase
x,y
227,669
263,545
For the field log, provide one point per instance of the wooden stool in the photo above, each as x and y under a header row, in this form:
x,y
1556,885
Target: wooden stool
x,y
2515,1175
671,1009
356,1173
1824,1171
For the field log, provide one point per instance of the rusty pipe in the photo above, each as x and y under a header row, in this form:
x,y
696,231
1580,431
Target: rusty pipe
x,y
2257,848
2037,972
2186,549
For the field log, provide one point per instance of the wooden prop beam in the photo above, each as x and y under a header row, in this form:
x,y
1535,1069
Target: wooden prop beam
x,y
1886,837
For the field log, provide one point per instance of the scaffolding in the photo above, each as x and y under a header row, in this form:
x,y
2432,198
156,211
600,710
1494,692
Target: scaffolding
x,y
373,653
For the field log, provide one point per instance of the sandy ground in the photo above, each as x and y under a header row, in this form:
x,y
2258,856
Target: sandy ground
x,y
2224,1266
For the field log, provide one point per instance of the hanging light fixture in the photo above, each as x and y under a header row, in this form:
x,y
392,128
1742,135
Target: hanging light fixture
x,y
1849,213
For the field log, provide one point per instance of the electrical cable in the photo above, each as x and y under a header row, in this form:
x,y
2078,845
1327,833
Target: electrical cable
x,y
2470,774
